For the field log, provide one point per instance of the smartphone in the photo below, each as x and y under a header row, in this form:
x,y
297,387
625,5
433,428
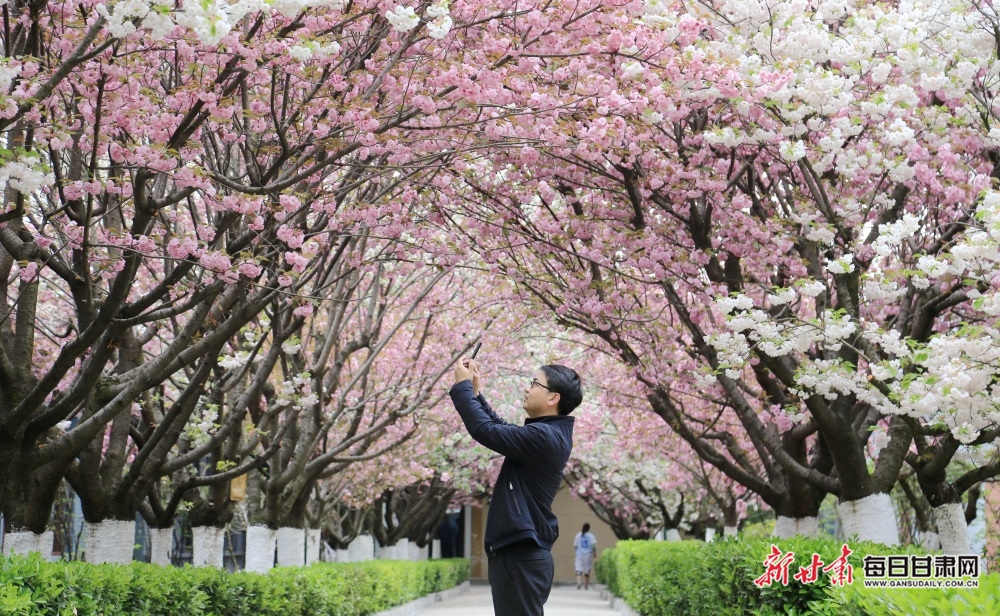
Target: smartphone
x,y
476,350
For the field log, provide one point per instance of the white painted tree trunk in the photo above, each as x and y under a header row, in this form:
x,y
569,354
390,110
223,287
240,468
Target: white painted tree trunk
x,y
110,541
313,540
673,534
342,556
291,547
435,548
930,541
785,527
387,552
162,544
260,549
25,542
954,531
402,549
209,545
709,535
870,519
731,531
362,548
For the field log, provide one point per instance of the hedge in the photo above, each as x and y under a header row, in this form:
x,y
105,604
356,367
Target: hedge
x,y
685,578
30,586
857,599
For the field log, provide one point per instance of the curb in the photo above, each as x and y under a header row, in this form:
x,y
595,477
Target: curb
x,y
423,603
617,604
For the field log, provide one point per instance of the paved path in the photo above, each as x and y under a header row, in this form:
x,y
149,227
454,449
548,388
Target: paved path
x,y
563,601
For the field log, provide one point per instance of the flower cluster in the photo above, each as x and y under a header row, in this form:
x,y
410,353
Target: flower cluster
x,y
26,176
201,425
404,18
122,18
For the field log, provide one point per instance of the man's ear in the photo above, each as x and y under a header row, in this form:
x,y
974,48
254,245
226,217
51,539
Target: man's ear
x,y
554,399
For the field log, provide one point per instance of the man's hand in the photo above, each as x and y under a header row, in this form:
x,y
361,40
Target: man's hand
x,y
463,372
468,370
476,376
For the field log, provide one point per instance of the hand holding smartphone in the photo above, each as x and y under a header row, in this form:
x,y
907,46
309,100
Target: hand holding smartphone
x,y
475,373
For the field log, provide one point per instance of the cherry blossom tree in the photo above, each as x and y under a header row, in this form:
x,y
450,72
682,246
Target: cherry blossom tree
x,y
446,469
640,477
375,357
137,247
778,214
404,492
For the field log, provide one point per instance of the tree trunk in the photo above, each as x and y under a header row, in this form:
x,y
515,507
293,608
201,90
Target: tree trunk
x,y
362,549
946,501
396,551
870,519
786,527
29,493
260,549
25,542
731,516
672,534
921,508
209,544
291,546
709,535
313,545
730,531
110,541
954,532
387,552
403,549
797,513
930,541
162,545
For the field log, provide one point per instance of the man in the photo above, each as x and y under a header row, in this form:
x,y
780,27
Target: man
x,y
520,526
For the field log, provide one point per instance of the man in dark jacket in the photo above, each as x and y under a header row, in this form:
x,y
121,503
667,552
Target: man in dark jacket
x,y
520,525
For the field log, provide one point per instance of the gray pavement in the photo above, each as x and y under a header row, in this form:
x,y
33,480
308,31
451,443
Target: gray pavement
x,y
563,601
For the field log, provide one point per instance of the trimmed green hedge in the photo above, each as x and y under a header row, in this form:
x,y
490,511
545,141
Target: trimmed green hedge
x,y
30,586
688,578
857,599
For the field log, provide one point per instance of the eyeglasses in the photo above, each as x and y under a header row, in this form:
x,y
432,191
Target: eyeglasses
x,y
535,382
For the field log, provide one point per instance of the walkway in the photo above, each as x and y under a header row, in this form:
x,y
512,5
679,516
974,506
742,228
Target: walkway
x,y
563,601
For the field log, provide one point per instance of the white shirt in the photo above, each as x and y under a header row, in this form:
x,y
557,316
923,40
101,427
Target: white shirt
x,y
585,543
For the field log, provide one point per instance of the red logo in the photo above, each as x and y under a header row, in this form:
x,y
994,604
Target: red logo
x,y
776,566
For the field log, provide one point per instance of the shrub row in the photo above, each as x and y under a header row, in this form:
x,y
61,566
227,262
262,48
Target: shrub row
x,y
30,586
689,578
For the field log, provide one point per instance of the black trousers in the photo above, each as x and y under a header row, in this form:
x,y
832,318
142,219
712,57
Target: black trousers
x,y
521,578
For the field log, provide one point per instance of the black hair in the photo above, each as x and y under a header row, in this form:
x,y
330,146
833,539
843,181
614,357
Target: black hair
x,y
586,527
565,382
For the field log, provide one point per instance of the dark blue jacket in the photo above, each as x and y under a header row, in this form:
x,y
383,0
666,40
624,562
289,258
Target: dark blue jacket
x,y
534,457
